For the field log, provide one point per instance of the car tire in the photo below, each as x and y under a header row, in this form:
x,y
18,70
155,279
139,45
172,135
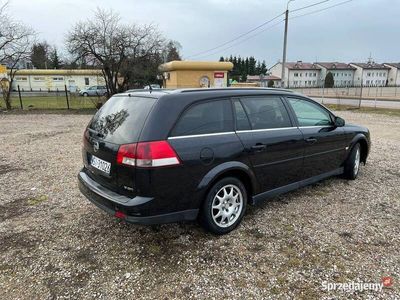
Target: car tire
x,y
224,206
352,163
85,94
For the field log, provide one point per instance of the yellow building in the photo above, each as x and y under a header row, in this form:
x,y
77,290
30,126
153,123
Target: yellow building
x,y
195,74
3,72
3,78
52,80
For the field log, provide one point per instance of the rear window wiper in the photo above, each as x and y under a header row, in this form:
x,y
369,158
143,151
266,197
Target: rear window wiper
x,y
99,134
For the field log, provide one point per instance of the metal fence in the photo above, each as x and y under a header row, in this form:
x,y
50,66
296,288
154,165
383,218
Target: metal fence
x,y
388,97
59,99
369,97
365,92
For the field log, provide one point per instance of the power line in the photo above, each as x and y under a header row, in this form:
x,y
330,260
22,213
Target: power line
x,y
311,5
199,54
238,37
319,10
242,41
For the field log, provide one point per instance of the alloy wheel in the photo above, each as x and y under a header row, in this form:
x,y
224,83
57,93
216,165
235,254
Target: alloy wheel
x,y
227,205
357,162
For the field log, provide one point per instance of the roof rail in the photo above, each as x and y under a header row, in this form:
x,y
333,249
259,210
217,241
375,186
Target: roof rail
x,y
232,88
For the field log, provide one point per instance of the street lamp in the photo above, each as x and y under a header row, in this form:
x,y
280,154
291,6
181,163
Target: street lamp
x,y
284,44
287,6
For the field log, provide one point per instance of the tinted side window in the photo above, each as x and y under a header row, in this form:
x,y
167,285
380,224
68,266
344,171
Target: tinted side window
x,y
208,117
309,114
266,112
242,122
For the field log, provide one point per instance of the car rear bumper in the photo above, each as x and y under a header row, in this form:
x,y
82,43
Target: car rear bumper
x,y
115,204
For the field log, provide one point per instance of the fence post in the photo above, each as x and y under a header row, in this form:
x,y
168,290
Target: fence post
x,y
66,95
20,98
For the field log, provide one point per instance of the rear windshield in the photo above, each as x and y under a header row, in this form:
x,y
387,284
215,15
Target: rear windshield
x,y
121,119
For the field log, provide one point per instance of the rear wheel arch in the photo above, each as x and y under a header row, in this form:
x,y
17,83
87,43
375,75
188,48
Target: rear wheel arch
x,y
238,170
239,174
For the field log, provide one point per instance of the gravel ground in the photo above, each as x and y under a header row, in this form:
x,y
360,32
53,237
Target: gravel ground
x,y
55,244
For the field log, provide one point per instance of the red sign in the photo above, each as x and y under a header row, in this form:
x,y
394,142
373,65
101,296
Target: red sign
x,y
219,75
387,281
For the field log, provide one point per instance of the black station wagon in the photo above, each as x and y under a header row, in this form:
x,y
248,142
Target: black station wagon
x,y
172,155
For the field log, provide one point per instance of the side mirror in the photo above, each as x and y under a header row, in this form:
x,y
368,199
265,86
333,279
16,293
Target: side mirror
x,y
339,122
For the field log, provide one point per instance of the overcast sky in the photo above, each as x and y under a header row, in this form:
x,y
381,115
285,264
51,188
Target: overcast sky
x,y
348,32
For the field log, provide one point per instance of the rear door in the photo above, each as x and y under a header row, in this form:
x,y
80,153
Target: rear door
x,y
274,144
118,122
204,138
324,143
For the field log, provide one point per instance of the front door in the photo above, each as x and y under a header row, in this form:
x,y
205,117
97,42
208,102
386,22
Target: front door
x,y
274,145
324,143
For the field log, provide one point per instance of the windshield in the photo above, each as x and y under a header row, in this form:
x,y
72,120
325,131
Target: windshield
x,y
121,119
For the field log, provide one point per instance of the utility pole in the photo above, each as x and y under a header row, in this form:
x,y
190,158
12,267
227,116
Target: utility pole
x,y
285,44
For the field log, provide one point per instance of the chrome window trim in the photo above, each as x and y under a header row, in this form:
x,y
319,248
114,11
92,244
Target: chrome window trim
x,y
200,135
313,126
266,129
242,131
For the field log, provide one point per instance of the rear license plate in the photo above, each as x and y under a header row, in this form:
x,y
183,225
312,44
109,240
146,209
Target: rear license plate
x,y
100,164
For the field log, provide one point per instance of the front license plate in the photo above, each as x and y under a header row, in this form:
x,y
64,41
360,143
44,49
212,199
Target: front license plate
x,y
100,164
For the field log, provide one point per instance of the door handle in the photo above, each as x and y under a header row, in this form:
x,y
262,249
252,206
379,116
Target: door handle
x,y
258,147
311,140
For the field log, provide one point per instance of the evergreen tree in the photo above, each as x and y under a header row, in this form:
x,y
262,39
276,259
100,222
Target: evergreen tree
x,y
235,70
329,81
258,68
242,67
54,62
40,55
252,66
263,68
172,51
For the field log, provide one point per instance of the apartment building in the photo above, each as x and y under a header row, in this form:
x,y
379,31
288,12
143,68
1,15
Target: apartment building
x,y
343,74
298,74
394,73
370,74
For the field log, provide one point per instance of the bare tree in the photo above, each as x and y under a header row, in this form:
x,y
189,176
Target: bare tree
x,y
106,43
16,41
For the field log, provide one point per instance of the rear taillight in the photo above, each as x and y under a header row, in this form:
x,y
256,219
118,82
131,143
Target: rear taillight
x,y
127,155
147,155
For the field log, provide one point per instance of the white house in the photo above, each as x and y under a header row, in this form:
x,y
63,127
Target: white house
x,y
394,74
53,80
370,74
343,74
298,74
263,80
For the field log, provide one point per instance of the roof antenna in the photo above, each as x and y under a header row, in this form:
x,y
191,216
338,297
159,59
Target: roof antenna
x,y
150,88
